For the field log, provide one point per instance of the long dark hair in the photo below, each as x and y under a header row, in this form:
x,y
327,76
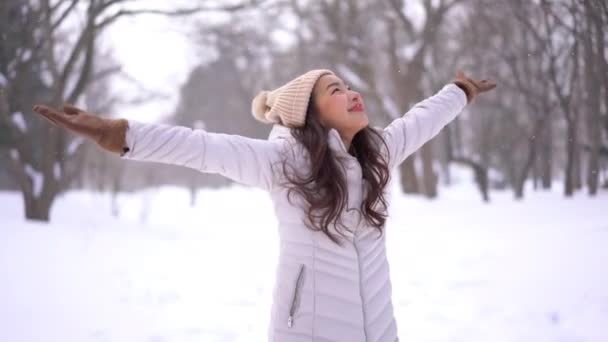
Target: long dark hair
x,y
325,189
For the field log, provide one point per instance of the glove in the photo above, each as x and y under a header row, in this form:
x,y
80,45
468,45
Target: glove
x,y
472,87
109,134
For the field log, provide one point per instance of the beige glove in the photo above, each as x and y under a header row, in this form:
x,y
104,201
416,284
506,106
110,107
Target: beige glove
x,y
110,134
472,87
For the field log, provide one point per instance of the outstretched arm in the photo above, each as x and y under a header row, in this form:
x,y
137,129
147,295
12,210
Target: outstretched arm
x,y
425,120
422,122
244,160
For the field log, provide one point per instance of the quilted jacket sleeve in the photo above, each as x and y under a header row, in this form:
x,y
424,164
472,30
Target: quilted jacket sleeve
x,y
422,122
245,160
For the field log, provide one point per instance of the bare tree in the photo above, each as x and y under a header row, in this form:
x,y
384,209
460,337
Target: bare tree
x,y
407,82
545,52
564,75
593,40
522,50
42,65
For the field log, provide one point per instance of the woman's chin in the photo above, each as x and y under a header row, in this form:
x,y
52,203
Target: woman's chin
x,y
362,124
364,120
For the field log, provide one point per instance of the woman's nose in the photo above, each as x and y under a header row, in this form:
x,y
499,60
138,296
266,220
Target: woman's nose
x,y
356,97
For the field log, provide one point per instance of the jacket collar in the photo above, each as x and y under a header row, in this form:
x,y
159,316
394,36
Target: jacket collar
x,y
334,140
279,131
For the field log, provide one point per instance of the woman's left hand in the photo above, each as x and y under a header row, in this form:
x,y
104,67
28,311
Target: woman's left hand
x,y
472,87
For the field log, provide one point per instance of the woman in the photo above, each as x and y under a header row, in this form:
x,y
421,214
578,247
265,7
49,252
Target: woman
x,y
326,171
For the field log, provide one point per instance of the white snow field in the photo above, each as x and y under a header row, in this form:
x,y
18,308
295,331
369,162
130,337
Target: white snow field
x,y
534,270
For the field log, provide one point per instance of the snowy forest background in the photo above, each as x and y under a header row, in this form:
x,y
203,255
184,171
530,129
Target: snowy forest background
x,y
499,230
546,122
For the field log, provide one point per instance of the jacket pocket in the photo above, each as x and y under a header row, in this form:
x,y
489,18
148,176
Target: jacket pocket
x,y
295,298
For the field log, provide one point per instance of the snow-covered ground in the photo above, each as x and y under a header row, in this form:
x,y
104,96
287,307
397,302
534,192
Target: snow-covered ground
x,y
462,270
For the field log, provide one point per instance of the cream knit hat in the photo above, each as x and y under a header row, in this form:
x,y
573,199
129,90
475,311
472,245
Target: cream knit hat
x,y
287,104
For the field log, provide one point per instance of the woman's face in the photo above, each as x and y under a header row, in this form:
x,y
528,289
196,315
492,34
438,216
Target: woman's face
x,y
339,107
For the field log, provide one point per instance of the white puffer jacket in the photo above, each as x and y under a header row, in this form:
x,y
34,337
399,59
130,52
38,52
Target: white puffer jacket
x,y
323,292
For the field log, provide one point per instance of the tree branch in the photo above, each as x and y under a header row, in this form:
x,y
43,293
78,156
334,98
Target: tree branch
x,y
397,6
63,15
178,12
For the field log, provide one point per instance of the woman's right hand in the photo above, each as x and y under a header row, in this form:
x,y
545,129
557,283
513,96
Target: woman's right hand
x,y
110,134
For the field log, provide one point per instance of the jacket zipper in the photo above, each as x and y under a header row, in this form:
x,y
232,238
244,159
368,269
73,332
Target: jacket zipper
x,y
295,298
360,294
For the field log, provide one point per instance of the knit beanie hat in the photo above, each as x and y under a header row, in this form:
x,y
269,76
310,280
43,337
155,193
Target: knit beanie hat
x,y
287,104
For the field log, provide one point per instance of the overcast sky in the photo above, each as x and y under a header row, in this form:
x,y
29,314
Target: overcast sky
x,y
155,51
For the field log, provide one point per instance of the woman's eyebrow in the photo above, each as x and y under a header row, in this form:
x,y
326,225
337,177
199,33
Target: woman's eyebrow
x,y
332,84
337,84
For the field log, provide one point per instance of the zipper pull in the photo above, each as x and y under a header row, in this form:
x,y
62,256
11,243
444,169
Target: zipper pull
x,y
289,321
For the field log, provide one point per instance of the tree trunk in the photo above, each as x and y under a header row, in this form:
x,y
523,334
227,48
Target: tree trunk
x,y
116,187
481,175
519,189
479,170
535,173
429,176
37,209
448,148
523,175
578,168
193,191
547,156
592,69
569,182
409,179
533,144
37,198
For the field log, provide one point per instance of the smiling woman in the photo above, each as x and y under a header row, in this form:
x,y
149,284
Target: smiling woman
x,y
339,107
326,171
